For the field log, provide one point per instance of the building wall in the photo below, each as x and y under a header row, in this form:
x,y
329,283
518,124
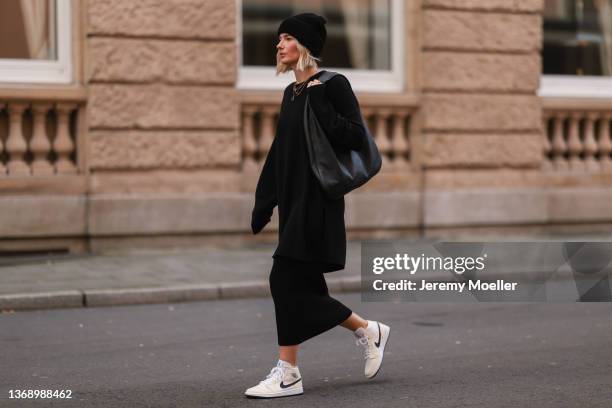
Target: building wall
x,y
482,116
489,136
166,156
164,119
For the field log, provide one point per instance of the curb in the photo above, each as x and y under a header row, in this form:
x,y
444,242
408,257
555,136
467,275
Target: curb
x,y
168,294
42,300
182,293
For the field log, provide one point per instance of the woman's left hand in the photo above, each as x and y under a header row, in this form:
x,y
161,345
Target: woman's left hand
x,y
314,82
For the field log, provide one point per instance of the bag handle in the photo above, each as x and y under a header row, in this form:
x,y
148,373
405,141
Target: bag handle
x,y
327,75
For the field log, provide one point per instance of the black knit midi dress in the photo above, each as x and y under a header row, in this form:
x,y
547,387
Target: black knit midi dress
x,y
311,233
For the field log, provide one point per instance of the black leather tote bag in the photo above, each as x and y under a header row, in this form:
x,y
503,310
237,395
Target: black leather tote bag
x,y
342,170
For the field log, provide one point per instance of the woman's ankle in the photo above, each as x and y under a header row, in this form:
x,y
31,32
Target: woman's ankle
x,y
291,363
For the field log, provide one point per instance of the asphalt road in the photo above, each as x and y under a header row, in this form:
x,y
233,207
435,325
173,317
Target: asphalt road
x,y
206,354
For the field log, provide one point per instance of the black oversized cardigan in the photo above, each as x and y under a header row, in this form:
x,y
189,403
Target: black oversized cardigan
x,y
311,226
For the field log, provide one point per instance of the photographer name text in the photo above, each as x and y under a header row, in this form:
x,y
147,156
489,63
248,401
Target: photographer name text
x,y
410,285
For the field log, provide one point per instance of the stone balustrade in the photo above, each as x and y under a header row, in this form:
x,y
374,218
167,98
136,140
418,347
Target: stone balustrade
x,y
389,124
38,138
577,136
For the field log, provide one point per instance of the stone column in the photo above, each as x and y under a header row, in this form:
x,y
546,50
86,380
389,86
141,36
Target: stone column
x,y
482,129
164,117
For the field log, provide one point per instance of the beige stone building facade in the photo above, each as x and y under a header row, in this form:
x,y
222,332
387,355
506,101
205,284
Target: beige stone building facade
x,y
151,142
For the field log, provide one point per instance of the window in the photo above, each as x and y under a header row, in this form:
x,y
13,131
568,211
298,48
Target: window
x,y
577,49
36,46
364,41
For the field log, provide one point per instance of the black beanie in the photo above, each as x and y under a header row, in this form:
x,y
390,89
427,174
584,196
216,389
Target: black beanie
x,y
308,28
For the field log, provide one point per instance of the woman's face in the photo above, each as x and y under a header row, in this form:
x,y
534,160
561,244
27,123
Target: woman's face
x,y
287,51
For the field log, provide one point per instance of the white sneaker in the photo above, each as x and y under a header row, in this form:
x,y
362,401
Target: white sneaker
x,y
373,339
284,380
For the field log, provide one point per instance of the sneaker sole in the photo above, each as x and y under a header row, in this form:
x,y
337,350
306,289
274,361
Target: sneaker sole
x,y
290,393
384,344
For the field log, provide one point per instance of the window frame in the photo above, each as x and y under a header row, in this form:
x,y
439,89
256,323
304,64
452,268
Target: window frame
x,y
59,71
574,86
380,81
570,86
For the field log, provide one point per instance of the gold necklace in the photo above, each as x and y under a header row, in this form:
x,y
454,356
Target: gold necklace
x,y
297,90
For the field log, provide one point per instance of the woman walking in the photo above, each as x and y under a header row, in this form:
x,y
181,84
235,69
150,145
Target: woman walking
x,y
312,235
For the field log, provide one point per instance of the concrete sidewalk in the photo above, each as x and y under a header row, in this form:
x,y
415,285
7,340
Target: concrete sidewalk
x,y
153,276
159,276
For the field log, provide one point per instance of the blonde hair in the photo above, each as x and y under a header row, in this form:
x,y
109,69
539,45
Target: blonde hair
x,y
305,60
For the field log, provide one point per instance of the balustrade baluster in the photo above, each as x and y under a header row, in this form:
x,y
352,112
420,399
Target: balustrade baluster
x,y
2,167
40,144
63,144
546,145
574,145
267,131
16,145
603,141
559,146
590,145
249,144
399,141
382,140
